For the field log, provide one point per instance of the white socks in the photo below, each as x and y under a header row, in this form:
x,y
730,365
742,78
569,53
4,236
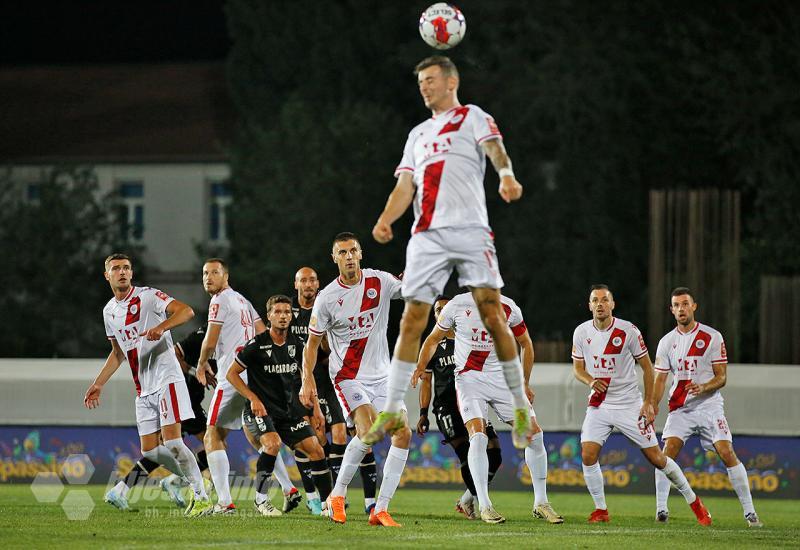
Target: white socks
x,y
536,459
399,379
512,372
593,476
220,468
282,474
675,475
392,472
479,467
353,455
738,477
121,489
188,463
662,491
163,456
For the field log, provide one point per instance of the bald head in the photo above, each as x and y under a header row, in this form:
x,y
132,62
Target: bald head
x,y
307,284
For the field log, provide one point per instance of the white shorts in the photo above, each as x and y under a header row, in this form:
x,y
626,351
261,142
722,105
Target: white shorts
x,y
354,393
169,405
431,256
600,421
709,423
227,404
477,391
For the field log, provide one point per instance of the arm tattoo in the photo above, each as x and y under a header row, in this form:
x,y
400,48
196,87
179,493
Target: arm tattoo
x,y
496,152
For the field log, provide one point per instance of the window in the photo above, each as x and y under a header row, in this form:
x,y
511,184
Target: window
x,y
132,210
218,212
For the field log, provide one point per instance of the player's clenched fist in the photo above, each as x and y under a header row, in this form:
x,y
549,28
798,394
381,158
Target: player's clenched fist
x,y
382,232
92,398
510,189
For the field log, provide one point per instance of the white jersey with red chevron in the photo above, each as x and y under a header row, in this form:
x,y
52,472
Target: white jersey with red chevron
x,y
355,318
445,157
237,318
474,349
610,355
153,363
691,358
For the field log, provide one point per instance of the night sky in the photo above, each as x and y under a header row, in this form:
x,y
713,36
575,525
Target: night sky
x,y
44,33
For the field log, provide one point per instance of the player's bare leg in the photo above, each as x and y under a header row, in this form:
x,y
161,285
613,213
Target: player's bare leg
x,y
674,473
269,450
479,467
404,362
495,321
738,477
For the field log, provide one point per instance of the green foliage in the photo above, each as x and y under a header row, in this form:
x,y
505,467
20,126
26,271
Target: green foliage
x,y
54,291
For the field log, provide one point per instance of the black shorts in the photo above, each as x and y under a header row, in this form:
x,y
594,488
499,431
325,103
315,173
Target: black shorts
x,y
331,409
451,424
196,425
291,430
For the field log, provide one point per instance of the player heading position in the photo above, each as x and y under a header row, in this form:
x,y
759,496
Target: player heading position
x,y
441,172
479,385
695,355
604,352
353,311
137,322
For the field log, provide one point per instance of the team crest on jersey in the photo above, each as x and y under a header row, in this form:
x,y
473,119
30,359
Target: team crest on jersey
x,y
371,293
456,119
291,350
134,309
357,397
617,341
700,344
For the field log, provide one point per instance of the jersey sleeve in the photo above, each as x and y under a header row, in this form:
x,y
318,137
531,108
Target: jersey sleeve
x,y
109,330
719,355
253,313
407,161
247,357
393,286
662,357
447,318
577,345
483,125
217,310
636,344
515,320
160,300
320,317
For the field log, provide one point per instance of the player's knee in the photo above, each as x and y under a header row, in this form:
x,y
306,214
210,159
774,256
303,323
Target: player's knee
x,y
588,456
413,322
402,437
271,443
728,457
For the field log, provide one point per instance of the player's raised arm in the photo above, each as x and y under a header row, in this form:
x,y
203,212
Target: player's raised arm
x,y
426,352
399,200
91,399
510,188
204,373
177,314
308,392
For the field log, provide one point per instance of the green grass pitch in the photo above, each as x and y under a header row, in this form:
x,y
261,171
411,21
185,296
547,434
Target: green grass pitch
x,y
428,522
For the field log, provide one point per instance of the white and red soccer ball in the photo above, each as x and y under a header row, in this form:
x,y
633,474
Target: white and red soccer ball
x,y
442,26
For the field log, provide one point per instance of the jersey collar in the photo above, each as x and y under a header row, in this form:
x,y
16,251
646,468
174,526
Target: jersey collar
x,y
695,329
447,112
127,296
360,279
613,320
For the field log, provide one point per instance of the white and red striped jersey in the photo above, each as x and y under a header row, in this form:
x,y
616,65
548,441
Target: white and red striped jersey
x,y
153,363
610,355
237,317
691,358
355,318
474,349
445,157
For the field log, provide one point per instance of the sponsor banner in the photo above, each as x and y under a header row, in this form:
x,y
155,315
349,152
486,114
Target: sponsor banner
x,y
772,463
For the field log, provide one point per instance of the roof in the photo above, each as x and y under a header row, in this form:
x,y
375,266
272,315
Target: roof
x,y
115,113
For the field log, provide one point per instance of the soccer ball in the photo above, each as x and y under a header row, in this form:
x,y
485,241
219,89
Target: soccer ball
x,y
442,26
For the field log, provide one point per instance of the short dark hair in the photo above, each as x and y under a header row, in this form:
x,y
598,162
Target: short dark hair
x,y
277,299
445,63
680,291
601,286
219,261
442,297
345,236
116,256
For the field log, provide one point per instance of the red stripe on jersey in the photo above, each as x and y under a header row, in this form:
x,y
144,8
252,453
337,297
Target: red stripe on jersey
x,y
215,409
133,361
597,398
506,308
520,329
134,311
430,190
355,351
615,342
455,122
344,401
475,360
699,345
678,397
173,397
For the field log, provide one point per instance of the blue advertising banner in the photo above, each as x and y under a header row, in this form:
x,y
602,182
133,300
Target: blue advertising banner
x,y
772,463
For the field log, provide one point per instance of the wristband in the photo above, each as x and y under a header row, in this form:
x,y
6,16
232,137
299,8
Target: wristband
x,y
423,411
503,172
